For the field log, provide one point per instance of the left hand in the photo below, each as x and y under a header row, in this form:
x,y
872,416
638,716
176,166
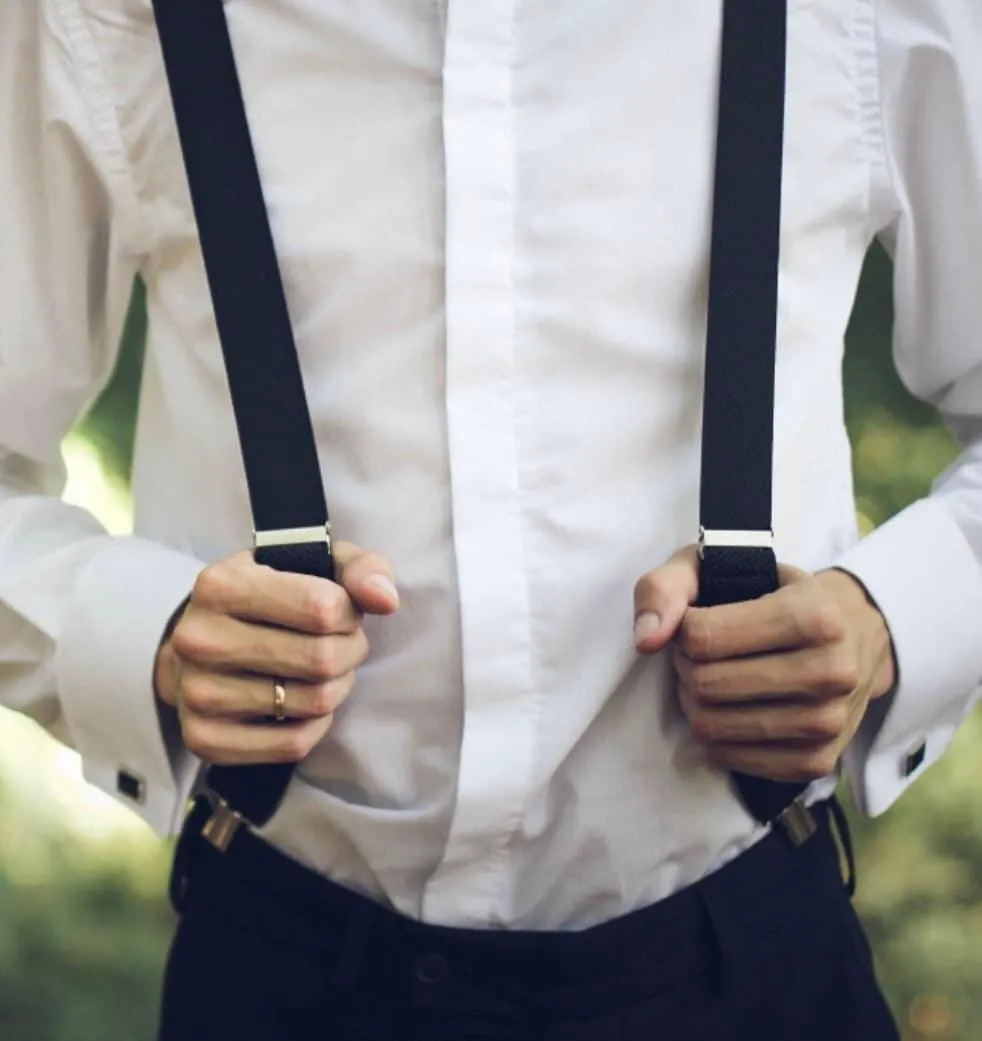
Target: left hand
x,y
775,687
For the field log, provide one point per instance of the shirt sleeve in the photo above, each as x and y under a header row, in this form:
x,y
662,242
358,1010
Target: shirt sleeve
x,y
924,567
81,612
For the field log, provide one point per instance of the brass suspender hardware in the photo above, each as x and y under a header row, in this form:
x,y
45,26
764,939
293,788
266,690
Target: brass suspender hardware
x,y
222,825
798,823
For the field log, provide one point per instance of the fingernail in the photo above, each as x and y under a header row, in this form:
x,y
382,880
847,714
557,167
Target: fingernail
x,y
384,585
646,626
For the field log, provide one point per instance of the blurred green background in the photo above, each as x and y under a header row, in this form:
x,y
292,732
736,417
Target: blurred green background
x,y
83,924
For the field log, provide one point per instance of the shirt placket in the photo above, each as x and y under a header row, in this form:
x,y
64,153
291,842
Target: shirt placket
x,y
497,747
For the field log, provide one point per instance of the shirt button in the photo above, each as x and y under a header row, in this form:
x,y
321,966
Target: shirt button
x,y
431,969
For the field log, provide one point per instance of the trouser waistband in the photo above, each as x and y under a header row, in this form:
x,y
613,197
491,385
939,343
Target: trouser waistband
x,y
676,938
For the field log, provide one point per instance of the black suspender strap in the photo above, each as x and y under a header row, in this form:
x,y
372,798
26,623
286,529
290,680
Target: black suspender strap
x,y
278,448
736,539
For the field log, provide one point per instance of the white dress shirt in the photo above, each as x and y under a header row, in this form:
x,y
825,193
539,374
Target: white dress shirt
x,y
493,223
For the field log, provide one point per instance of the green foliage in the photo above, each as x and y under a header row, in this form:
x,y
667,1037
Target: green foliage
x,y
109,426
83,935
898,444
920,895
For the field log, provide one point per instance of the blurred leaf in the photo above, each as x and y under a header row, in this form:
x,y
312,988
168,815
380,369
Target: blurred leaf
x,y
109,426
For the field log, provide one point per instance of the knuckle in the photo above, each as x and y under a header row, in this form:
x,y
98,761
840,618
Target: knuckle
x,y
323,698
782,773
296,744
211,586
837,673
828,722
703,727
729,757
696,636
294,747
199,738
799,610
818,764
326,607
193,639
701,681
760,729
322,659
825,622
687,700
341,691
845,673
362,647
197,691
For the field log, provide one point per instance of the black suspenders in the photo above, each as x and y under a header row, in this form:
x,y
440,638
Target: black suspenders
x,y
278,448
736,537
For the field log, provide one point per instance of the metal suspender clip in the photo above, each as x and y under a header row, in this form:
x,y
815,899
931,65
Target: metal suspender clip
x,y
715,538
221,826
216,823
797,822
294,537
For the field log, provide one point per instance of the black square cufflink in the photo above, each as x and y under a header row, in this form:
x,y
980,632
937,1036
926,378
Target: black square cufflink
x,y
914,759
131,786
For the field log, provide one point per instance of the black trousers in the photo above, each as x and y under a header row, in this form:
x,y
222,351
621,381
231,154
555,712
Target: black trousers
x,y
767,949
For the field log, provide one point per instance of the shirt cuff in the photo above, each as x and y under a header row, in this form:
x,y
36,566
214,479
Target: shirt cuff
x,y
921,573
119,609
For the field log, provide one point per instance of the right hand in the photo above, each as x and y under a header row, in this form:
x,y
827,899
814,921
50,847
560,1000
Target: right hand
x,y
247,627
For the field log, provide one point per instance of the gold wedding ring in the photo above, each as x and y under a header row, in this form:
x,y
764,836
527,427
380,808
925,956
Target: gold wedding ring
x,y
279,701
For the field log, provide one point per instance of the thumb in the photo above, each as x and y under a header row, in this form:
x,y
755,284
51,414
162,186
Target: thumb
x,y
367,578
661,598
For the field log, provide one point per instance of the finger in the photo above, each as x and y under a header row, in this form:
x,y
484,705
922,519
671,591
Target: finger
x,y
794,721
785,763
661,599
249,697
253,592
220,741
368,579
798,615
819,673
166,678
223,644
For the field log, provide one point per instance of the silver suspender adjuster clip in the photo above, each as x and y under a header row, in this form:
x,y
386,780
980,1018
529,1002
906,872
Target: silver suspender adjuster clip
x,y
797,822
294,537
712,538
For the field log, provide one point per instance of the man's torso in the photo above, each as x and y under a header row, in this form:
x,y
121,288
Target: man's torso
x,y
493,225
